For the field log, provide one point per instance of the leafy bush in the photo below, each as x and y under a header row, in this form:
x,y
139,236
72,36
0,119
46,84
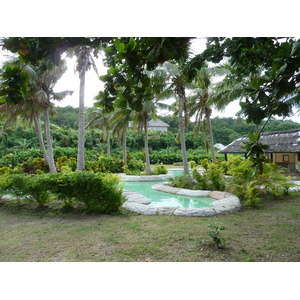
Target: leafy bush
x,y
106,164
248,184
183,182
159,169
35,165
98,193
134,167
64,163
215,177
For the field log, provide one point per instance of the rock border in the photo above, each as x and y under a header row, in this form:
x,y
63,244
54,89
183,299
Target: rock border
x,y
225,203
132,178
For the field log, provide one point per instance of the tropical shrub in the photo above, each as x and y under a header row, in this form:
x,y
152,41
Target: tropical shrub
x,y
249,185
35,165
99,193
215,177
94,192
134,167
106,164
183,182
64,163
159,169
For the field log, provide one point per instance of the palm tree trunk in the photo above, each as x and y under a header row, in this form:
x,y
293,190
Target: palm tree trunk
x,y
49,141
38,129
81,123
211,139
148,167
124,144
108,143
182,137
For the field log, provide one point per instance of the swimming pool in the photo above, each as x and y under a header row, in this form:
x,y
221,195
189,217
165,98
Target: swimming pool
x,y
161,199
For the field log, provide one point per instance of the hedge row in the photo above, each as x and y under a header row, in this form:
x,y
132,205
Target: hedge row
x,y
93,192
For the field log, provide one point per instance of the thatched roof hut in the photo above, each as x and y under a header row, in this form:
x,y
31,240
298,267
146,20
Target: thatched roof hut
x,y
287,141
284,147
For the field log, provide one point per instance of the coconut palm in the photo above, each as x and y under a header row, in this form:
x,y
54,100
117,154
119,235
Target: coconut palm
x,y
174,82
120,123
83,63
198,100
98,118
159,90
38,101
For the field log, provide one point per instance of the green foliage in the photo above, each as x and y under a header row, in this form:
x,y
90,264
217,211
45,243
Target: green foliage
x,y
159,169
251,186
183,182
204,163
14,84
134,167
64,163
201,179
106,164
95,192
35,165
212,179
255,151
214,235
215,177
192,164
99,193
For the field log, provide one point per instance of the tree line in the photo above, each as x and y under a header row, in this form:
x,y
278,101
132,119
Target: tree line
x,y
64,126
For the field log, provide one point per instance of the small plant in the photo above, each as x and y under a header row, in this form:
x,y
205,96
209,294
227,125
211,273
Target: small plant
x,y
214,235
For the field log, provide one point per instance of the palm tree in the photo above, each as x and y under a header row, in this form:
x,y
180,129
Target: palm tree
x,y
120,122
198,101
38,100
98,118
159,91
83,64
174,81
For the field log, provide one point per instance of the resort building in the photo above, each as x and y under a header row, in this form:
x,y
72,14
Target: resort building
x,y
155,125
284,147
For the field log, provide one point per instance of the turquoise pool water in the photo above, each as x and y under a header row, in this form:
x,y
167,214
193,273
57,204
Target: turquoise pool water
x,y
159,199
177,172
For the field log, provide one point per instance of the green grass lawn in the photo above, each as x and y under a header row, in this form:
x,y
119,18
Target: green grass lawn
x,y
268,233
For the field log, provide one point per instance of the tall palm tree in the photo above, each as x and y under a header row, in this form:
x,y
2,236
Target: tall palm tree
x,y
198,101
42,81
84,62
174,81
159,91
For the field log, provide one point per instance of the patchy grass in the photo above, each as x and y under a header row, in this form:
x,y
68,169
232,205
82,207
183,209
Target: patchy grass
x,y
268,233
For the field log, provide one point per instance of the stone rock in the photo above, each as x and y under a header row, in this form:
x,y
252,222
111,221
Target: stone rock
x,y
140,208
165,188
166,210
136,197
195,212
228,205
192,193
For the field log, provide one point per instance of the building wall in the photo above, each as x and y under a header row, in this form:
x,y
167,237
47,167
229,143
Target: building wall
x,y
285,157
157,128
